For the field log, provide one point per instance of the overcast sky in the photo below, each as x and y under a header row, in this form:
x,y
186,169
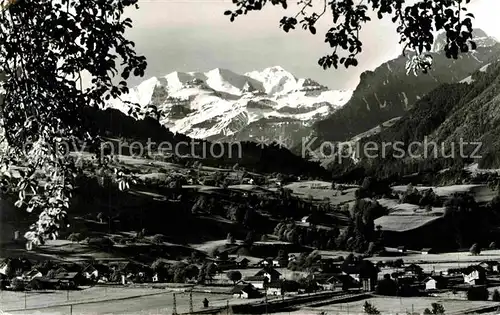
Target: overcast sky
x,y
194,35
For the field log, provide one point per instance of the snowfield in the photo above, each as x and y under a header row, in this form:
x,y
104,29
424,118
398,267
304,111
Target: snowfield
x,y
221,103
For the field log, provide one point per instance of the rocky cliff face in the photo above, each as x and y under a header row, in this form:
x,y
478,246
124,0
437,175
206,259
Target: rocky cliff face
x,y
389,92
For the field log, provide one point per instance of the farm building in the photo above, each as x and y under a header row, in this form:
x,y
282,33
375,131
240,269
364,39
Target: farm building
x,y
274,288
364,272
30,275
490,266
414,270
427,251
339,281
256,281
435,283
270,273
95,271
242,261
244,291
474,275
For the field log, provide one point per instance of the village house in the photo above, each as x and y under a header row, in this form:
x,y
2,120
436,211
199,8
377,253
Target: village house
x,y
435,283
96,272
90,272
276,263
364,272
271,274
43,283
274,288
30,275
68,280
335,282
427,251
305,220
244,291
156,277
12,266
490,266
3,268
413,270
265,262
256,281
280,262
242,262
474,275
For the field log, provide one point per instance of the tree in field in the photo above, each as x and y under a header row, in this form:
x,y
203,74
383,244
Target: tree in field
x,y
415,25
210,271
496,296
479,293
475,249
202,274
369,308
46,48
249,239
100,217
234,276
436,309
230,238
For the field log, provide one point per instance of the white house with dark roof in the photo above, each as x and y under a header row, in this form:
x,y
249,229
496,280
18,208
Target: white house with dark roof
x,y
474,275
244,291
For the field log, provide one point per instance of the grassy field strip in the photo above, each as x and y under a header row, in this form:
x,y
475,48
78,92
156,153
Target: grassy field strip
x,y
87,301
476,310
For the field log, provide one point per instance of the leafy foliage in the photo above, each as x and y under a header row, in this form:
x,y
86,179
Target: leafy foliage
x,y
47,46
496,296
234,275
436,309
475,249
369,308
416,24
479,293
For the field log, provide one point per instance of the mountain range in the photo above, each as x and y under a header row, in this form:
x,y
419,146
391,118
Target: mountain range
x,y
221,105
466,112
388,103
389,91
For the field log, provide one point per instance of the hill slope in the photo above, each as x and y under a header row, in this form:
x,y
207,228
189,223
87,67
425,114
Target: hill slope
x,y
113,124
388,92
467,112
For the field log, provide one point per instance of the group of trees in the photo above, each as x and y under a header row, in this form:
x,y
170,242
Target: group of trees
x,y
426,198
361,234
320,238
479,293
463,216
436,308
304,262
181,272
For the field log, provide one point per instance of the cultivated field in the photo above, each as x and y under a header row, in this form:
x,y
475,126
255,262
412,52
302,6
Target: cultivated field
x,y
394,305
111,300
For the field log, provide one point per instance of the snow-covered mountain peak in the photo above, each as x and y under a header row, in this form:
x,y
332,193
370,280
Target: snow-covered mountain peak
x,y
275,80
221,103
479,37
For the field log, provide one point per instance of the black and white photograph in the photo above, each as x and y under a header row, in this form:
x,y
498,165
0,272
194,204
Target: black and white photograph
x,y
286,157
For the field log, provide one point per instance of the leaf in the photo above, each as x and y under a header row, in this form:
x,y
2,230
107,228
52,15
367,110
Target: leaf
x,y
228,12
312,29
